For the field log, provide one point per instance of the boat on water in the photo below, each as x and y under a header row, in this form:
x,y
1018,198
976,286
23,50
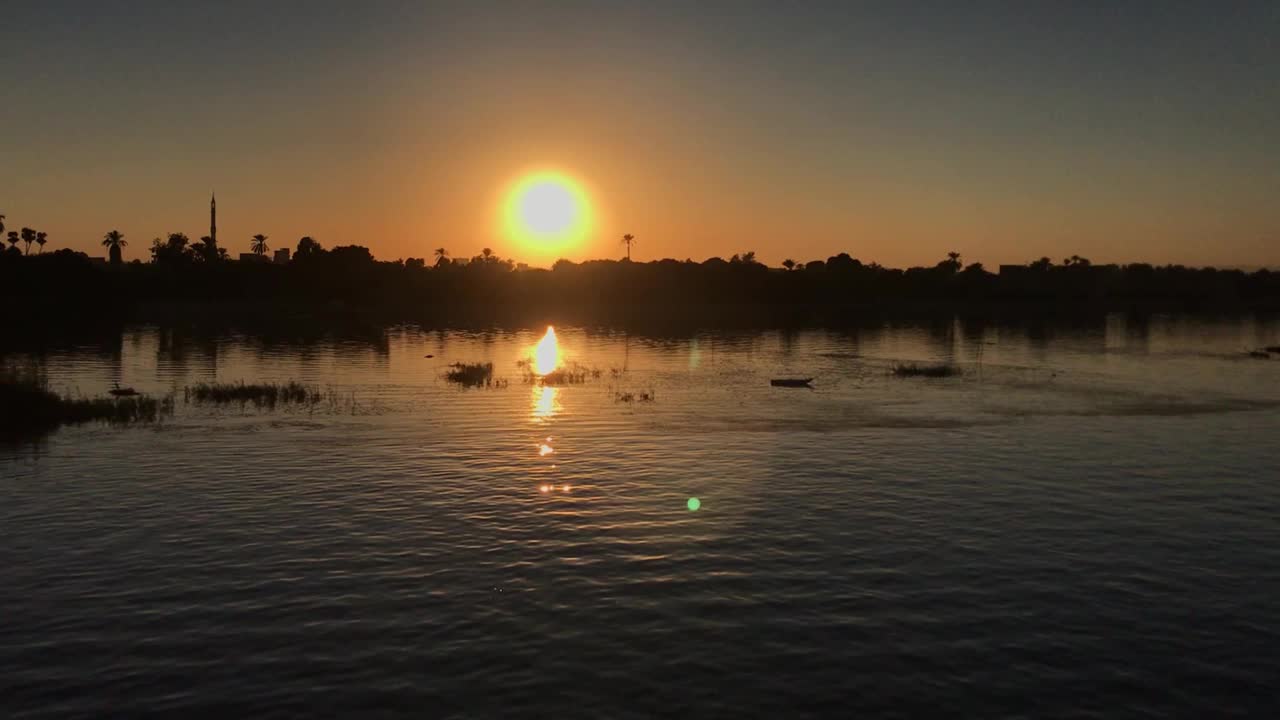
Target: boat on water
x,y
118,391
791,382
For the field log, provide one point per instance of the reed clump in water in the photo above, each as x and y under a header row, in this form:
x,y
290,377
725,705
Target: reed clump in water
x,y
634,397
931,371
260,394
573,374
470,374
27,405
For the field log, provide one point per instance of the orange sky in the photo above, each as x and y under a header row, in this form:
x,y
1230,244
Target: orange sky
x,y
794,135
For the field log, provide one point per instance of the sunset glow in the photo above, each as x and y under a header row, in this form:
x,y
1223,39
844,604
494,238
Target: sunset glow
x,y
547,212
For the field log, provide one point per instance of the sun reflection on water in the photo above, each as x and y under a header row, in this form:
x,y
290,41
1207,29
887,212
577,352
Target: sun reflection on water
x,y
546,354
546,402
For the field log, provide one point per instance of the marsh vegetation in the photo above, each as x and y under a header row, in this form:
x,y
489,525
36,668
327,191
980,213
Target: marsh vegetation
x,y
260,394
471,374
930,371
28,406
572,374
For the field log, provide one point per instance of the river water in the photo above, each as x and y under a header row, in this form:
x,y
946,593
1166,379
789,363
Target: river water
x,y
1081,523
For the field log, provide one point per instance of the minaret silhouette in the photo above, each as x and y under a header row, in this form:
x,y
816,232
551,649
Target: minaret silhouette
x,y
213,217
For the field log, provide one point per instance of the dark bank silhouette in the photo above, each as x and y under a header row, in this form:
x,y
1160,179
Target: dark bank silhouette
x,y
348,277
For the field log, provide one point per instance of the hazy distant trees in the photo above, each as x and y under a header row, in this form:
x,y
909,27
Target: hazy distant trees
x,y
628,240
174,250
307,249
842,263
113,242
834,286
350,256
206,250
951,264
488,260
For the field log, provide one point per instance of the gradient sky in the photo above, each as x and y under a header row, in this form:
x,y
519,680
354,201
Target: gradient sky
x,y
895,131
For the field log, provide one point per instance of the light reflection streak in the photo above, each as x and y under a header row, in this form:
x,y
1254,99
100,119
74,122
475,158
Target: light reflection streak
x,y
546,354
546,402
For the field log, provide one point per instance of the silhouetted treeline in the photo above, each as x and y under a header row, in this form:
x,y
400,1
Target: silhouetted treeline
x,y
350,277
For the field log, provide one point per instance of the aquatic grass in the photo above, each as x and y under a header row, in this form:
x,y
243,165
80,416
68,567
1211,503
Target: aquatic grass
x,y
931,371
28,406
260,394
470,374
572,374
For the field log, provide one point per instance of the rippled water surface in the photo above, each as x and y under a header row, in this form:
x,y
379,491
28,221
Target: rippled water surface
x,y
1084,522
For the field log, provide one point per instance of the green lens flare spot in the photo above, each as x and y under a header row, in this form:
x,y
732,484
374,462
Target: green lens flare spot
x,y
694,504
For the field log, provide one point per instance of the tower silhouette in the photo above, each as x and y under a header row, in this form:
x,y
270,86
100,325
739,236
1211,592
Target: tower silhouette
x,y
213,217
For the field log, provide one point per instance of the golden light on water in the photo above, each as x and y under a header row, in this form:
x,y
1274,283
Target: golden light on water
x,y
545,403
544,358
547,212
546,354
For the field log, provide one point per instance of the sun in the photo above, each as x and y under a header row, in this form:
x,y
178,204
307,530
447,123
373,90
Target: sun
x,y
547,211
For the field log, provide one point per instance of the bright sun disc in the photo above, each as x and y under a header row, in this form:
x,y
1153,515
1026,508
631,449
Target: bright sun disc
x,y
547,212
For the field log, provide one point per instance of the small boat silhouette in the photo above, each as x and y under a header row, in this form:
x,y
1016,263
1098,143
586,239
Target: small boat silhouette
x,y
791,382
122,392
1260,354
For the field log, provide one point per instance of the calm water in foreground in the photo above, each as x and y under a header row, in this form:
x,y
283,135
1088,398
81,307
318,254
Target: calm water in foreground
x,y
1086,522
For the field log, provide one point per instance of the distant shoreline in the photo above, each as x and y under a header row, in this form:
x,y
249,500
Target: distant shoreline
x,y
64,290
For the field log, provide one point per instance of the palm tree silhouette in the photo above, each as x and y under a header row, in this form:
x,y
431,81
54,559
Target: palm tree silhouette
x,y
28,237
113,241
627,240
1,224
41,239
789,264
13,239
259,244
487,253
442,256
